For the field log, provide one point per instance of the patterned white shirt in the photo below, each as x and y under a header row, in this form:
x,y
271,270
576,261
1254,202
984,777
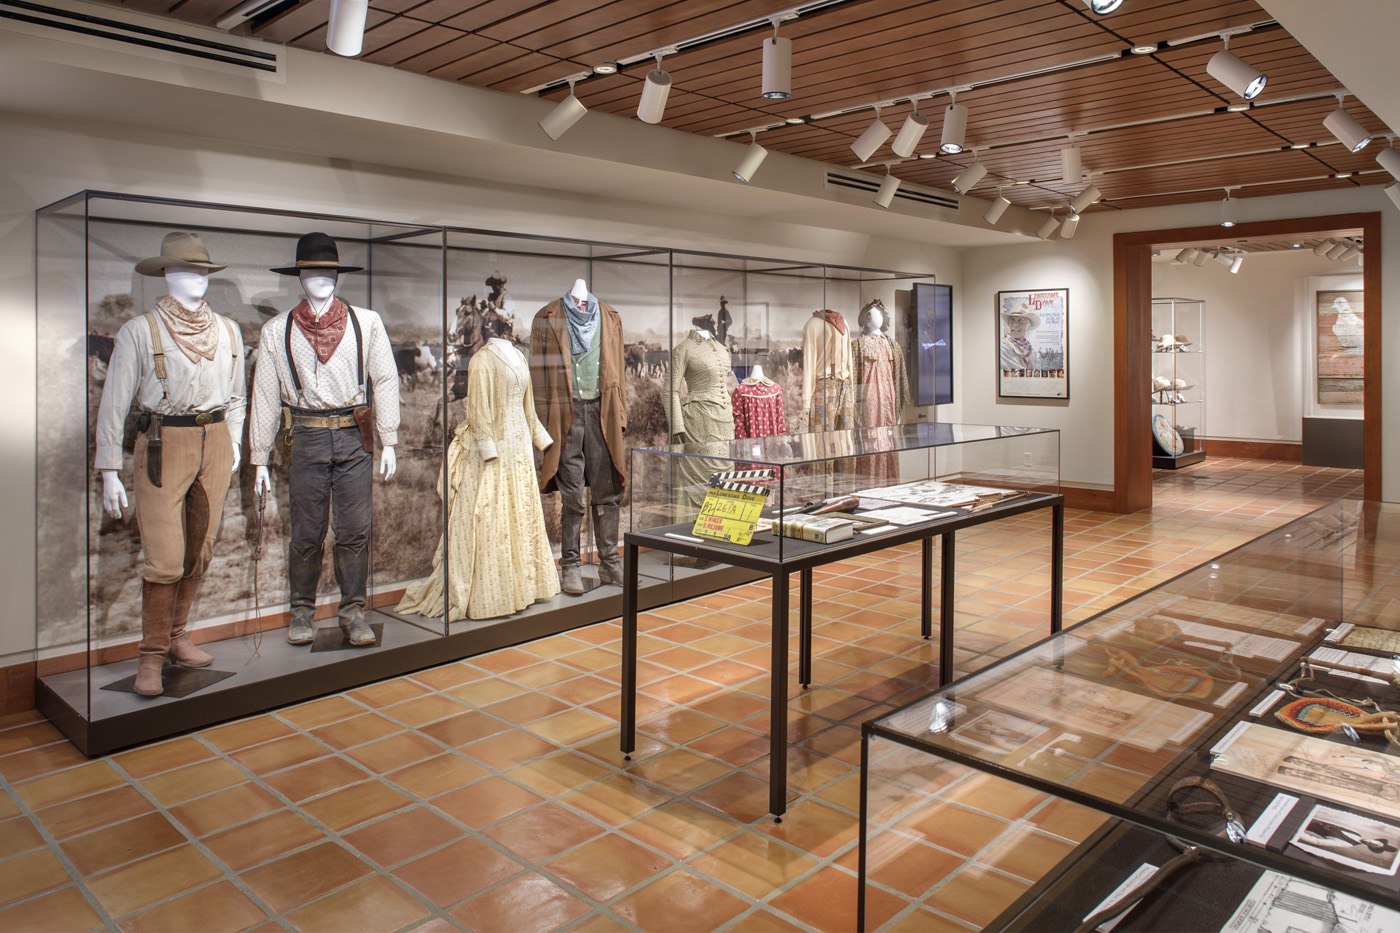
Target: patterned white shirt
x,y
332,384
190,388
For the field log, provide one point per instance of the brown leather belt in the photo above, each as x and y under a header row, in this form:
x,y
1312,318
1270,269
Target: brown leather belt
x,y
188,421
334,422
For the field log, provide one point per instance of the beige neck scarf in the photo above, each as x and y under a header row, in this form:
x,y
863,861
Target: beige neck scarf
x,y
194,331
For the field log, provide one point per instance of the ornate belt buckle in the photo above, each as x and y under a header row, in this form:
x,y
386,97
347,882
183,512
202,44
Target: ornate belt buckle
x,y
204,417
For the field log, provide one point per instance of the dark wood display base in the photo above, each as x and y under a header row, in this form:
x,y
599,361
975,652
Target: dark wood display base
x,y
99,721
1161,461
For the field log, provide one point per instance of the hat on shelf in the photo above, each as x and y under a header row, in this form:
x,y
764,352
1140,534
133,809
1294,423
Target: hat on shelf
x,y
1022,312
1182,384
180,249
1165,342
316,252
1161,384
1181,341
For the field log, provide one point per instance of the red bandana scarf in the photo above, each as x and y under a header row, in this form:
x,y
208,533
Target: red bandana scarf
x,y
324,334
834,319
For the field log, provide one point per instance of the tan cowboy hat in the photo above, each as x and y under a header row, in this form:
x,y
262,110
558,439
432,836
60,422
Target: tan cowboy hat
x,y
1022,311
179,249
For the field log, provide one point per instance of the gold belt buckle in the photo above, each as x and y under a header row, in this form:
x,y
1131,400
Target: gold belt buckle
x,y
204,417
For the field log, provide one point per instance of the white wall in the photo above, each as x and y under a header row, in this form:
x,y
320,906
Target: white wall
x,y
1256,337
1085,266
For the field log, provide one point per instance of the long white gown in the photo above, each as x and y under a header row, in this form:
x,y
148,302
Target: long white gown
x,y
499,558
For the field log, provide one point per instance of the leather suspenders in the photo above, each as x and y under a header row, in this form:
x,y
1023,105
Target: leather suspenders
x,y
359,353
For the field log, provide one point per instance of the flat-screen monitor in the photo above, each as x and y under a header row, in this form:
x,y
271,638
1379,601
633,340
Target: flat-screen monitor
x,y
931,356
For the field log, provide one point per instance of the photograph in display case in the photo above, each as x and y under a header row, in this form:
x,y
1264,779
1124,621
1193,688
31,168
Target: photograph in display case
x,y
1341,345
1350,840
1033,348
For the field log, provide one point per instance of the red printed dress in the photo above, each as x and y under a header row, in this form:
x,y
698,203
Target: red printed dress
x,y
758,409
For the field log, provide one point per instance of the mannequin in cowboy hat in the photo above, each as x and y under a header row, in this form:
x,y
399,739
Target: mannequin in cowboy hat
x,y
182,366
1016,350
325,378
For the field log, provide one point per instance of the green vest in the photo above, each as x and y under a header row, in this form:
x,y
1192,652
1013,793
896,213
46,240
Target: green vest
x,y
586,366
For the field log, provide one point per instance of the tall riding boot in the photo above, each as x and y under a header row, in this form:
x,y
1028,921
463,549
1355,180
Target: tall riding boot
x,y
303,573
182,649
570,577
157,607
605,528
352,573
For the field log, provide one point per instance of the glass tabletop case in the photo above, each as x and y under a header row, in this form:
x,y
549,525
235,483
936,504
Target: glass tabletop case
x,y
1252,687
875,480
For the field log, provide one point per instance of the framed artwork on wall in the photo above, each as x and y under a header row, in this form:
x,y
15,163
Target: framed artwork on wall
x,y
1033,343
1340,333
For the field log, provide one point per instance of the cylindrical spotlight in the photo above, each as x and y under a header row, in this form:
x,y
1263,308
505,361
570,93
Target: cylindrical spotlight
x,y
909,135
1047,229
1389,159
1084,199
1336,251
1223,257
565,114
1392,191
345,34
1103,7
1322,248
777,68
888,187
996,209
657,87
969,177
1236,74
1348,132
1071,165
1227,211
1070,225
1202,258
874,136
1352,251
1235,266
1186,255
954,129
753,158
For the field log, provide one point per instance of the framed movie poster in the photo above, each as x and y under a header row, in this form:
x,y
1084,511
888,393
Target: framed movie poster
x,y
1341,347
1033,344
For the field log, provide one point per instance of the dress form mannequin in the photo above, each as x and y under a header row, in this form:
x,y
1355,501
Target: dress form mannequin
x,y
186,285
320,290
756,375
580,290
882,390
874,322
703,416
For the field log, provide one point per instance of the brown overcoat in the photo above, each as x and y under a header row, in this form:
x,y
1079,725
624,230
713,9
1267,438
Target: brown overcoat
x,y
551,376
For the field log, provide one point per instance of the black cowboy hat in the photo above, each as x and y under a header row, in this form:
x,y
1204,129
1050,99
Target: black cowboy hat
x,y
316,252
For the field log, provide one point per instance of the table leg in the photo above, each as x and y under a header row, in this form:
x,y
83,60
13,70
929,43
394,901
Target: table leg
x,y
945,610
804,628
629,649
926,565
1057,567
777,724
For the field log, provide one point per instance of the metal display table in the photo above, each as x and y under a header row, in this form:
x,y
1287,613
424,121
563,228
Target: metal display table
x,y
801,558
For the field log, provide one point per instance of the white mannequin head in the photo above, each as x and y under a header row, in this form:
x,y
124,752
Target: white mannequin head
x,y
580,290
320,289
186,285
876,322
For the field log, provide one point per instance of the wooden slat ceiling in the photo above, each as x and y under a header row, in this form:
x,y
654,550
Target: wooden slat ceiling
x,y
1153,129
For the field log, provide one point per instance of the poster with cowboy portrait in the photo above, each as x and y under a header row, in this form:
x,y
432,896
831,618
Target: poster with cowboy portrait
x,y
1033,344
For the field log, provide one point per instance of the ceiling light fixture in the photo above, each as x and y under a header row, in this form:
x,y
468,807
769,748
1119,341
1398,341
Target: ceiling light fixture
x,y
1238,261
1201,258
996,208
1070,225
1295,245
1047,229
753,158
1322,248
1239,107
874,136
655,90
954,127
1071,163
564,115
1227,209
1389,159
1337,249
796,121
345,33
1088,196
1352,251
1102,7
1223,257
969,177
777,66
1343,126
605,68
910,133
888,187
1235,73
1186,255
1145,48
1392,191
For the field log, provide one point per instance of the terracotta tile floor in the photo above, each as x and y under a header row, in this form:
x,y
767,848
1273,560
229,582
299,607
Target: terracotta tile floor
x,y
486,794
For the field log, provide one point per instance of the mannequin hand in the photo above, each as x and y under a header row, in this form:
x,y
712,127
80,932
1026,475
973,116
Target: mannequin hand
x,y
113,493
262,482
237,459
388,463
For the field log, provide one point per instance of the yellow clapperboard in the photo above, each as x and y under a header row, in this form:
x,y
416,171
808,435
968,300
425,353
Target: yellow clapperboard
x,y
731,509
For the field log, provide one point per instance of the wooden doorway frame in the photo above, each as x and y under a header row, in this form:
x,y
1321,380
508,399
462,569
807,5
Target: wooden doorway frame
x,y
1132,339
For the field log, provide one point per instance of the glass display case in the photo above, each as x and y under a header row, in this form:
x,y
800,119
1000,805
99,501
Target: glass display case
x,y
1227,729
1178,381
448,298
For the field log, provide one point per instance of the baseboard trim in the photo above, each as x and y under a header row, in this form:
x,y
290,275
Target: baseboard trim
x,y
1291,451
1084,497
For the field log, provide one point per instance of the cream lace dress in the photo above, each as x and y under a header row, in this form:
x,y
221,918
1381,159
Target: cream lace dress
x,y
499,558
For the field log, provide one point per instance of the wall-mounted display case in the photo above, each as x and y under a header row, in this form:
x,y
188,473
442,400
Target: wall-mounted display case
x,y
434,287
1226,729
1178,382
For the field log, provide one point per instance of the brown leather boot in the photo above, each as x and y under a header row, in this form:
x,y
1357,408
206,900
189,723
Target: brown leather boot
x,y
157,608
182,649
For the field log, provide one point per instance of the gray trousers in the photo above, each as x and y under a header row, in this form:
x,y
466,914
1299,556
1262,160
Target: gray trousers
x,y
584,462
329,484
